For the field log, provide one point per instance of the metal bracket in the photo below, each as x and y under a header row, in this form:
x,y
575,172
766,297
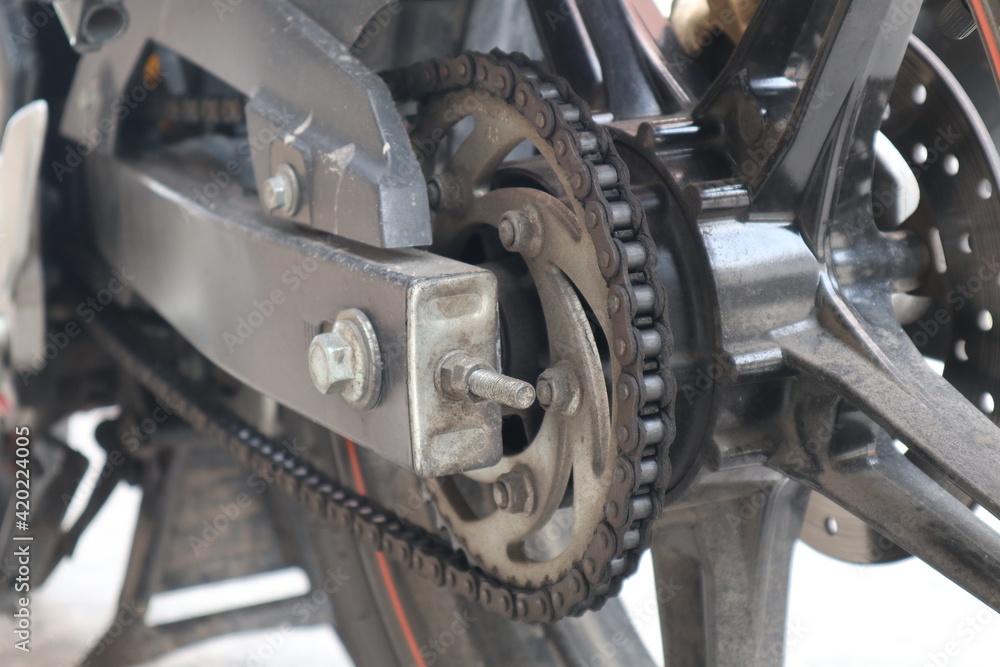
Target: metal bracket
x,y
273,286
364,183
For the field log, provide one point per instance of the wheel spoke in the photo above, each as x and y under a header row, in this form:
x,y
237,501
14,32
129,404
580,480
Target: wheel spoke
x,y
722,562
864,473
859,351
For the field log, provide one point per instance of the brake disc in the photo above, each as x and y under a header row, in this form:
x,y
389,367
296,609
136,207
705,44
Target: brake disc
x,y
935,126
581,482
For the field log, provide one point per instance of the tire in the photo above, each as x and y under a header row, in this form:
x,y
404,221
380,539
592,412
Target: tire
x,y
386,615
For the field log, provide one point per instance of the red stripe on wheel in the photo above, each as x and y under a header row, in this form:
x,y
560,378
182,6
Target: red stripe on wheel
x,y
989,36
383,564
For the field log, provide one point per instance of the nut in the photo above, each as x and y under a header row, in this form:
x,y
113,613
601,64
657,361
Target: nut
x,y
521,231
456,368
514,491
558,389
462,376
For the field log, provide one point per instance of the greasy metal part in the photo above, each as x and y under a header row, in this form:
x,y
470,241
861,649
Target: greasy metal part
x,y
672,70
521,232
91,23
725,547
346,19
959,179
861,470
363,181
275,284
347,360
596,258
769,407
784,92
493,386
463,376
22,285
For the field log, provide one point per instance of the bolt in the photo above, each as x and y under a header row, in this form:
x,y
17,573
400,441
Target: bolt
x,y
521,231
505,390
463,376
280,193
558,389
347,361
514,491
332,364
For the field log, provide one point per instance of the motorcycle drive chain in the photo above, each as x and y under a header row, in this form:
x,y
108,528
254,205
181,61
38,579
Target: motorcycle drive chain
x,y
641,342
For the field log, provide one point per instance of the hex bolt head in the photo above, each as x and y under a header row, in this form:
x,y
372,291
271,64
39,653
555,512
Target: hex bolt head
x,y
331,362
514,491
521,231
558,388
347,360
280,193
